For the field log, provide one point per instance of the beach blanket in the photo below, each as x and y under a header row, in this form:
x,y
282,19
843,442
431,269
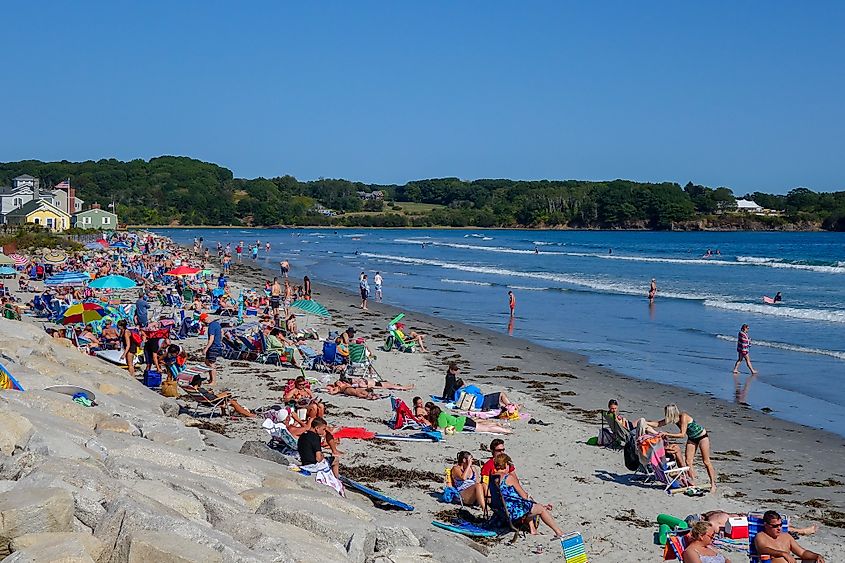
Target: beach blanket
x,y
354,433
323,474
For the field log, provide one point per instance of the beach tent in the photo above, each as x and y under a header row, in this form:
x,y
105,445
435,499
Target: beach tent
x,y
113,281
68,278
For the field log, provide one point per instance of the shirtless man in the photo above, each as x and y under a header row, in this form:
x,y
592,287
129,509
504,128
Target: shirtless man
x,y
342,388
366,383
772,541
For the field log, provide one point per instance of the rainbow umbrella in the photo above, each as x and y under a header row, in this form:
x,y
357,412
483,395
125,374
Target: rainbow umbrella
x,y
83,313
19,259
183,271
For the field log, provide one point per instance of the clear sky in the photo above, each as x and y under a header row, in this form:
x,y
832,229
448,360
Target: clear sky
x,y
749,95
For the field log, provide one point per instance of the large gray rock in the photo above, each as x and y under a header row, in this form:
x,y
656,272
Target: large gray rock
x,y
24,511
328,516
116,424
260,450
127,516
60,407
163,547
281,542
15,432
59,550
93,547
186,505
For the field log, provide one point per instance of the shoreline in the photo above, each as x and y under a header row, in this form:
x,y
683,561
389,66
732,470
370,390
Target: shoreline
x,y
470,228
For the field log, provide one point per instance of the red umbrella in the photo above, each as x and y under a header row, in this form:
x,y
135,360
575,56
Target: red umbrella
x,y
183,271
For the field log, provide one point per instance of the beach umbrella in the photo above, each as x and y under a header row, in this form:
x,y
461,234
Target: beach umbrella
x,y
6,260
83,313
102,242
55,256
68,278
7,271
94,246
121,244
161,252
19,259
311,306
182,271
113,281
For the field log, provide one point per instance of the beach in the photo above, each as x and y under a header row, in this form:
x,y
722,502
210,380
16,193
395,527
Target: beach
x,y
762,462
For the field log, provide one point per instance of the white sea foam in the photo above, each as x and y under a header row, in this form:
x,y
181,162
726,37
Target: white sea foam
x,y
592,283
467,282
528,288
500,249
830,315
839,268
791,347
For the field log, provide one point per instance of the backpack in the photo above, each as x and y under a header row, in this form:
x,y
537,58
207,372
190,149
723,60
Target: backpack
x,y
136,337
632,457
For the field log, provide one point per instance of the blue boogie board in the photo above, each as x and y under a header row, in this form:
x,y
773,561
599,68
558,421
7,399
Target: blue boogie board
x,y
466,529
375,495
425,436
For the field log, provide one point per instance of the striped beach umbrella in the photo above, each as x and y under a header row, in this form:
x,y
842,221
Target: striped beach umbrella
x,y
19,259
55,256
113,281
83,313
312,307
68,278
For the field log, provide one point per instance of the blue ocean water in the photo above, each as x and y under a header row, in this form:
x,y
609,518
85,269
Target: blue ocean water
x,y
585,291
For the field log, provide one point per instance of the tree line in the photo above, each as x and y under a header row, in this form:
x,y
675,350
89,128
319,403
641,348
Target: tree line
x,y
178,190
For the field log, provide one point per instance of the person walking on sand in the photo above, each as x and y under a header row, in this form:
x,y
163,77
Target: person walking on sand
x,y
511,301
377,281
743,344
652,290
364,286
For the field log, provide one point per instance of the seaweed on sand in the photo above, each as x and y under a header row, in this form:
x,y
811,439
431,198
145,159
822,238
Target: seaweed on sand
x,y
391,474
630,515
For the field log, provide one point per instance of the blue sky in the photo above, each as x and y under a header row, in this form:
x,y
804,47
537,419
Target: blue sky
x,y
742,94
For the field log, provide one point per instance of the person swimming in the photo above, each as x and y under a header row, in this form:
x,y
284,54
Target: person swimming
x,y
778,297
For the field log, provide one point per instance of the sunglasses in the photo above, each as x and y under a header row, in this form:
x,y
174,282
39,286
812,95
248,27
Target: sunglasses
x,y
498,450
775,525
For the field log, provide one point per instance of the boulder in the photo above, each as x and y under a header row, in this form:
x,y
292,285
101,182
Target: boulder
x,y
261,450
282,542
163,547
59,550
108,389
15,432
59,407
328,516
186,505
29,510
115,424
93,547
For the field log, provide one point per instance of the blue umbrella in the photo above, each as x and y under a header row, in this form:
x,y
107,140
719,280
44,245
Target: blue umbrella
x,y
68,278
7,271
112,282
94,246
120,244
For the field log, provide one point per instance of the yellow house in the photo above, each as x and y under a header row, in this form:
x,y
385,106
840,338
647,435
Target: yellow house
x,y
39,212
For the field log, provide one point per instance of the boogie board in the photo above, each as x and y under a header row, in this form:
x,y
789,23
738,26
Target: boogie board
x,y
375,495
465,528
113,357
434,436
71,390
769,300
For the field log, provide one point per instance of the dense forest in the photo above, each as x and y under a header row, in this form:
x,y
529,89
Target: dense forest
x,y
183,191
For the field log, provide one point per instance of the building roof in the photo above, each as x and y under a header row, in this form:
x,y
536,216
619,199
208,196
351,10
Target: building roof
x,y
25,177
747,204
95,211
11,190
34,205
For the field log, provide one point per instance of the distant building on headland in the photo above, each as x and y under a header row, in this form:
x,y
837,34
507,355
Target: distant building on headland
x,y
373,195
749,206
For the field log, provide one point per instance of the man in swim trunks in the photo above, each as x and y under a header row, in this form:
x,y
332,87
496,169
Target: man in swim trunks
x,y
285,268
781,547
275,297
377,282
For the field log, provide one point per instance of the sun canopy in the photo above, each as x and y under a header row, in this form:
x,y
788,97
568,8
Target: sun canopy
x,y
68,278
310,306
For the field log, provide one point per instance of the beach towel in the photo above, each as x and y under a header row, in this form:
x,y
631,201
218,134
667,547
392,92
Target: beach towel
x,y
323,474
354,433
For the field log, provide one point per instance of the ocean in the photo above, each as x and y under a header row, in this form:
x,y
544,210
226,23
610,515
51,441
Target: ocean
x,y
586,292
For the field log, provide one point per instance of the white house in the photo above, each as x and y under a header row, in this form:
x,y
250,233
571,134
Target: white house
x,y
61,201
748,206
13,197
26,181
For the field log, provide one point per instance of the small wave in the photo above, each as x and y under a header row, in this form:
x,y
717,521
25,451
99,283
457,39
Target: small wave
x,y
468,282
353,236
791,347
501,249
591,283
838,268
828,315
400,273
528,288
486,238
541,243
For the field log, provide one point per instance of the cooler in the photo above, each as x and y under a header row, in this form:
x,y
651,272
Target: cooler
x,y
737,528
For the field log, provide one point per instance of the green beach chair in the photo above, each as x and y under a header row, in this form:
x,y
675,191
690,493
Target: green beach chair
x,y
395,338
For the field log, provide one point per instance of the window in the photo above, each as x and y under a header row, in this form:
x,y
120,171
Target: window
x,y
17,202
49,222
106,220
37,221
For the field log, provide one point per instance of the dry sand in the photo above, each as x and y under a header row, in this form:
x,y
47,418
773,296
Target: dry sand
x,y
762,462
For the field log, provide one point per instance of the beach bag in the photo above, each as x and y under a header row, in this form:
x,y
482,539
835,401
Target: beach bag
x,y
136,336
465,401
170,388
632,458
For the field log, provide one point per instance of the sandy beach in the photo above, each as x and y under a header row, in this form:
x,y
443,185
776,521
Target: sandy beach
x,y
762,462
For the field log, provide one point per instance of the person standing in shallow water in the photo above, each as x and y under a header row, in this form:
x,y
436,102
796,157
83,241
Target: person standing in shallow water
x,y
743,346
652,290
364,286
511,302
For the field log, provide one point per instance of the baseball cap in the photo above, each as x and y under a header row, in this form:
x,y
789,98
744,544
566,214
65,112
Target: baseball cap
x,y
203,317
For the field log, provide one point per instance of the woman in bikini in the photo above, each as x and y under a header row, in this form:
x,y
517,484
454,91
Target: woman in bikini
x,y
466,478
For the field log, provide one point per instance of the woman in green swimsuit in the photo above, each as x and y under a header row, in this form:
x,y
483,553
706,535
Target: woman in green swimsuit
x,y
697,439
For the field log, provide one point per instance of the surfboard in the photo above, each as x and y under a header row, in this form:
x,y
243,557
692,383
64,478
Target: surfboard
x,y
434,436
465,528
71,390
113,357
768,300
375,495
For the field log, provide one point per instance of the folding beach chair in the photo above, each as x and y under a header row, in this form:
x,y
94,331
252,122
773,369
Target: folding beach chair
x,y
676,543
403,416
500,515
755,526
310,356
450,493
615,432
280,438
203,402
573,548
358,360
396,338
657,467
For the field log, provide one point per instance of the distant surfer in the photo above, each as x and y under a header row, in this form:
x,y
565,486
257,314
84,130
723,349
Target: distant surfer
x,y
511,301
652,290
610,251
743,346
536,250
778,297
